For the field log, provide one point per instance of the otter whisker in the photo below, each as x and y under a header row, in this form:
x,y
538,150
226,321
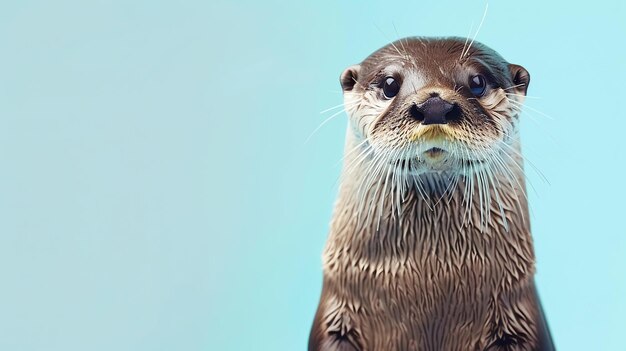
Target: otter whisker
x,y
523,96
399,39
355,163
349,153
403,181
514,86
530,107
324,123
356,82
332,108
492,158
375,169
503,124
372,164
417,182
457,174
532,165
533,118
496,185
360,159
483,188
394,183
397,187
518,166
405,55
390,174
482,196
477,30
450,182
448,187
466,41
518,109
506,171
382,176
469,187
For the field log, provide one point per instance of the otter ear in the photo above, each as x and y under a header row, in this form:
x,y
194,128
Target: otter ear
x,y
520,77
349,77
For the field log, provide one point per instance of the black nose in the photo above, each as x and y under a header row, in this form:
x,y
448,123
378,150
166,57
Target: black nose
x,y
435,110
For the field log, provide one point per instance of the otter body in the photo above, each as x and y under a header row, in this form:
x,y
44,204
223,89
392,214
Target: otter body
x,y
430,246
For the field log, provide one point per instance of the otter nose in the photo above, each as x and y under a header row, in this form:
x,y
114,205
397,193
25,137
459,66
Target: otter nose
x,y
435,110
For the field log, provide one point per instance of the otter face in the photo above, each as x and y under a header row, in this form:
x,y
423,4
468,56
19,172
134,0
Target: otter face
x,y
433,105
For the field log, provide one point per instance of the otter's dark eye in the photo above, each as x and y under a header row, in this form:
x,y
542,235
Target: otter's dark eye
x,y
478,85
391,87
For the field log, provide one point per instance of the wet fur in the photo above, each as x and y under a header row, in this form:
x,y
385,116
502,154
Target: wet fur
x,y
431,260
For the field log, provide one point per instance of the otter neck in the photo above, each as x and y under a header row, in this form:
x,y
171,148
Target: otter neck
x,y
373,224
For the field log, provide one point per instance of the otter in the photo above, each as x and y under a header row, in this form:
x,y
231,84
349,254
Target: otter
x,y
429,245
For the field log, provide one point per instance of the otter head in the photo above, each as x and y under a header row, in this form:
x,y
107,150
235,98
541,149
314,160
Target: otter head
x,y
427,105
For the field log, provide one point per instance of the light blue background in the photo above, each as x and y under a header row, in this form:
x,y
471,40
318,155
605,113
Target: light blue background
x,y
156,192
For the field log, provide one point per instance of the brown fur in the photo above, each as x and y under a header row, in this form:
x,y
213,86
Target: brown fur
x,y
441,257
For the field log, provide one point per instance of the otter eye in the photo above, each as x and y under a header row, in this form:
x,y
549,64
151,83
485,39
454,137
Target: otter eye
x,y
391,87
477,85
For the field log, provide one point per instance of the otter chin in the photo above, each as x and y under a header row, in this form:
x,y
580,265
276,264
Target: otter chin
x,y
429,245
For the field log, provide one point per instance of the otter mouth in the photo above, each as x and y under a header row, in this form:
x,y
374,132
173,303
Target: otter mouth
x,y
437,159
435,152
